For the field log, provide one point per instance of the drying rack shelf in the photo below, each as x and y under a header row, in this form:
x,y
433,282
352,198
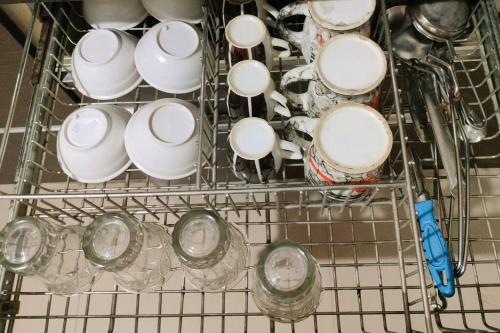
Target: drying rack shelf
x,y
369,252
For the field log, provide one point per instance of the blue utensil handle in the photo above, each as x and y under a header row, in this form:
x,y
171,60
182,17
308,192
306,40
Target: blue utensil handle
x,y
436,249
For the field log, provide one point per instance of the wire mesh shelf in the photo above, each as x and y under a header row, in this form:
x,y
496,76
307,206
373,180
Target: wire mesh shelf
x,y
369,251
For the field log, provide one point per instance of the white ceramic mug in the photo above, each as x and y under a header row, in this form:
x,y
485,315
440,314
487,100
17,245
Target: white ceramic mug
x,y
350,144
324,20
168,57
115,14
255,150
252,92
162,138
348,68
259,8
185,10
90,146
248,38
103,64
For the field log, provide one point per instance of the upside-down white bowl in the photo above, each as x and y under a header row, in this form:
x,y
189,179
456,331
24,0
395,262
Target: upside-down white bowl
x,y
162,138
168,57
103,64
90,144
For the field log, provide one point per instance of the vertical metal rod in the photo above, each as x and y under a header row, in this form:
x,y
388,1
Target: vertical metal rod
x,y
399,244
19,80
416,235
202,115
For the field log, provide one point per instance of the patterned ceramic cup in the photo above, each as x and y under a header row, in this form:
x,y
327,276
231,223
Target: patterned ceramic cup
x,y
350,144
349,68
324,20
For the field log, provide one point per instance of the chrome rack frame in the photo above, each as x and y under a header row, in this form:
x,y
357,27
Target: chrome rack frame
x,y
378,237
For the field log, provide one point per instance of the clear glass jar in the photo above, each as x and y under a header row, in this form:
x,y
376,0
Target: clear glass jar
x,y
287,282
138,254
34,247
212,252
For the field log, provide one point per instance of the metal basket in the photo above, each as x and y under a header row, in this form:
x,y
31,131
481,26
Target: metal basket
x,y
369,251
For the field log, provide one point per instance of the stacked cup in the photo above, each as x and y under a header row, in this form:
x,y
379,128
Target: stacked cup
x,y
344,69
255,150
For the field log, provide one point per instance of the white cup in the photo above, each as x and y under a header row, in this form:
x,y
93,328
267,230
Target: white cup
x,y
90,146
255,150
103,64
348,68
162,138
184,10
252,92
114,14
168,57
247,37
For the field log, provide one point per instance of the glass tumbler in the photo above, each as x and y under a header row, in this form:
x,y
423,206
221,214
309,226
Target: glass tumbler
x,y
212,252
34,247
138,254
287,282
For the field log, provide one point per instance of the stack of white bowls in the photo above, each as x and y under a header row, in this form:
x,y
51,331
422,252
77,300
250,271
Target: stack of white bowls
x,y
97,143
108,63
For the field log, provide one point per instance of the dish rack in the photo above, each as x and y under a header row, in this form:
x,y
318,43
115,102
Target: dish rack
x,y
374,272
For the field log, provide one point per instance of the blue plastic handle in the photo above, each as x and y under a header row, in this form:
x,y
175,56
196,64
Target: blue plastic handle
x,y
436,249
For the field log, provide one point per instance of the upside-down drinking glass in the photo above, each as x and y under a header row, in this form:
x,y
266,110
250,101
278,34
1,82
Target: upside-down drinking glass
x,y
53,254
212,252
138,254
287,282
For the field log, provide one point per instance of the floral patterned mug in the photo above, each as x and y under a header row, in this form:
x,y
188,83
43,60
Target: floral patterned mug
x,y
348,68
324,20
350,144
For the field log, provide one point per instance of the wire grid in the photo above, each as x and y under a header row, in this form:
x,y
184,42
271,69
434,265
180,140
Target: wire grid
x,y
477,67
366,249
360,254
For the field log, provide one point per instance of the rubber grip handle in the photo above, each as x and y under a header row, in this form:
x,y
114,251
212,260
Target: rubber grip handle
x,y
435,249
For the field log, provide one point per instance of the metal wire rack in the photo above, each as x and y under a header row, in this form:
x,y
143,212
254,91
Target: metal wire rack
x,y
476,62
369,252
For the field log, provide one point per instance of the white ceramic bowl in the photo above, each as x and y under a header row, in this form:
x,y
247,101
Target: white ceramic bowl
x,y
162,138
103,64
184,10
168,57
114,14
90,145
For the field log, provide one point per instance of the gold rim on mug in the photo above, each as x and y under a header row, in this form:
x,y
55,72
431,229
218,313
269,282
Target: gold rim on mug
x,y
324,156
343,27
350,92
